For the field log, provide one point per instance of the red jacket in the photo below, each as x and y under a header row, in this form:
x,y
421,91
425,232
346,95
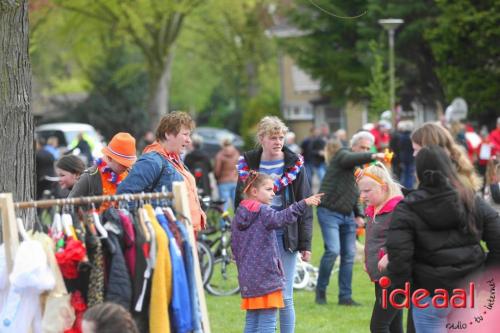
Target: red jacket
x,y
495,138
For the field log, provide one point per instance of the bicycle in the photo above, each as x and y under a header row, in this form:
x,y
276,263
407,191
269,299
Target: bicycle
x,y
206,260
224,278
306,275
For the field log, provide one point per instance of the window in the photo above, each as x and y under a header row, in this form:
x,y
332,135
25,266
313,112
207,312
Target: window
x,y
298,112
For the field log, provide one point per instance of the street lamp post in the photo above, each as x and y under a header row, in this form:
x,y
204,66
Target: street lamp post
x,y
391,25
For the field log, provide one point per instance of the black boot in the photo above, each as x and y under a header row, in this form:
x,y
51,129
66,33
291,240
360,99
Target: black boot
x,y
320,296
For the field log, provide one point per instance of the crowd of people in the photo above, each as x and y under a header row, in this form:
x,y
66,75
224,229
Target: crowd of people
x,y
426,208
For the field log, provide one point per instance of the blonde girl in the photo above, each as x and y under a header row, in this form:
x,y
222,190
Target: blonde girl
x,y
381,194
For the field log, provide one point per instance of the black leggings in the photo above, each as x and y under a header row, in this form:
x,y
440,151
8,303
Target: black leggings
x,y
388,320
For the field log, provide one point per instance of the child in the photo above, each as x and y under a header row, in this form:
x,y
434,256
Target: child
x,y
381,195
260,271
108,317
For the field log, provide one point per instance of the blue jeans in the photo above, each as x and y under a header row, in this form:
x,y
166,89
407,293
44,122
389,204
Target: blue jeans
x,y
339,237
312,169
227,191
408,175
430,319
260,321
320,171
288,259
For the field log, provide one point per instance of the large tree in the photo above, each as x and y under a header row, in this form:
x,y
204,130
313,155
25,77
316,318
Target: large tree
x,y
465,42
149,25
228,38
336,50
16,121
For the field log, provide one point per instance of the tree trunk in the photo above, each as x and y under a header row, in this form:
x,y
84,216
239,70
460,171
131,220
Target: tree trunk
x,y
17,166
159,95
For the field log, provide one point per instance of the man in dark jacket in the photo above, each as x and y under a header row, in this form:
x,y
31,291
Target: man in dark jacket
x,y
338,215
199,164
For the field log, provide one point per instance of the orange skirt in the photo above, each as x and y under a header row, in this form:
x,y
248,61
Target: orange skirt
x,y
269,301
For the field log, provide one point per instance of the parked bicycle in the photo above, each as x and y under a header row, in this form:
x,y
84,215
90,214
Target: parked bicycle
x,y
223,279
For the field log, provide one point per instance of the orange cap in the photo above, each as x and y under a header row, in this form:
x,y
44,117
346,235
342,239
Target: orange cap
x,y
121,148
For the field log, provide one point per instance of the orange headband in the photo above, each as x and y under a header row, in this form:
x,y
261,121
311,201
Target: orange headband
x,y
253,174
359,173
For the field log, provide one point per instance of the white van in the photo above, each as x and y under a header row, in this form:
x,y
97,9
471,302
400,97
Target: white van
x,y
67,134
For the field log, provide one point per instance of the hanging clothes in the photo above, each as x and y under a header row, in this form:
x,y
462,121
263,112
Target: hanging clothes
x,y
159,320
139,265
128,240
95,294
141,278
180,307
58,315
119,287
31,275
193,292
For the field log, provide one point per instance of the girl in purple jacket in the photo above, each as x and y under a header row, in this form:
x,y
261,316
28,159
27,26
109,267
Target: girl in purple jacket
x,y
260,272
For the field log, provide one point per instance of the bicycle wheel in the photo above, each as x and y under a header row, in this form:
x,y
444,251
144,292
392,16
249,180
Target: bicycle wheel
x,y
224,280
206,260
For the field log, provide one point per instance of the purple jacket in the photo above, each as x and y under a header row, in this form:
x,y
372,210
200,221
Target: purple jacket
x,y
255,248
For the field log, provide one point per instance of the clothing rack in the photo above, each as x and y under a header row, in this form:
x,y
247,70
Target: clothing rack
x,y
92,199
181,205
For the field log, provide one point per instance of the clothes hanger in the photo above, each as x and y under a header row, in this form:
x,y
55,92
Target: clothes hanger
x,y
56,227
142,222
97,222
38,227
169,213
21,229
67,222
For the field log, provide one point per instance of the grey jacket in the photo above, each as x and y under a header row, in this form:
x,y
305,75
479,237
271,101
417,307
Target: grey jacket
x,y
89,184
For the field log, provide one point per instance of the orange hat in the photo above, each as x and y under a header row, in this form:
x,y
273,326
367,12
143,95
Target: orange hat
x,y
121,148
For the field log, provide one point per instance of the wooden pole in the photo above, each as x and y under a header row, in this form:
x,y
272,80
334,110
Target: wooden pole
x,y
181,204
9,228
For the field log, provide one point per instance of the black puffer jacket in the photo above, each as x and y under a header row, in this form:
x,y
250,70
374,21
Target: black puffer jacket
x,y
119,289
298,236
427,242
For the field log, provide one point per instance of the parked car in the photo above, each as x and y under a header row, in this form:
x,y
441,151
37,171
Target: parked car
x,y
212,138
67,135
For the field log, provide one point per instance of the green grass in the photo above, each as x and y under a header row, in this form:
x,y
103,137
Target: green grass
x,y
227,317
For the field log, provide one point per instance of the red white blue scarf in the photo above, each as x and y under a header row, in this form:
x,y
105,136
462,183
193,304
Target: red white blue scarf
x,y
286,179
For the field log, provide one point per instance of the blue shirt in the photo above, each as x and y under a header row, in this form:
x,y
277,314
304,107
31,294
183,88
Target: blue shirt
x,y
275,170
